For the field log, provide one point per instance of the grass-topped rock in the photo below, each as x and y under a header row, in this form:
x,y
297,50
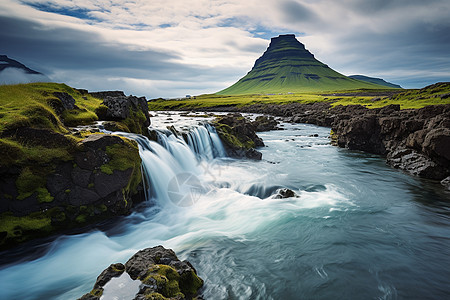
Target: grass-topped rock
x,y
124,113
160,273
238,136
51,177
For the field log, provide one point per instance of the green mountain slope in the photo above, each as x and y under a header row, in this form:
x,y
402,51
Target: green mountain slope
x,y
286,66
375,80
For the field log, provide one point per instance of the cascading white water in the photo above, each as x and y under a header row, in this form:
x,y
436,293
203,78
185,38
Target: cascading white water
x,y
172,163
358,229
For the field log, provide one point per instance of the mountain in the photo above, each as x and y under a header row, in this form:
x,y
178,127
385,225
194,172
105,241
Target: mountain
x,y
6,62
376,81
14,72
286,66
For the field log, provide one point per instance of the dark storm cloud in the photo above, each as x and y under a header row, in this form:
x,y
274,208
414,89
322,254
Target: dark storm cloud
x,y
379,6
71,49
418,55
297,12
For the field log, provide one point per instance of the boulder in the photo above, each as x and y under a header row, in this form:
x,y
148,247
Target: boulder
x,y
264,123
238,136
120,107
160,273
416,164
446,182
67,101
285,193
436,145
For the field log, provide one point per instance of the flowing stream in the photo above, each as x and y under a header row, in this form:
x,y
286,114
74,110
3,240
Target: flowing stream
x,y
357,230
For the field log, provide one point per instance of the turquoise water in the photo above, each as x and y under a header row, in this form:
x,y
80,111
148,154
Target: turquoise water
x,y
357,230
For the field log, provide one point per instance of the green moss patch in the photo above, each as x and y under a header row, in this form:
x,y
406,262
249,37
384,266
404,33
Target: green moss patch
x,y
165,278
18,229
135,122
75,117
170,284
11,152
124,157
227,135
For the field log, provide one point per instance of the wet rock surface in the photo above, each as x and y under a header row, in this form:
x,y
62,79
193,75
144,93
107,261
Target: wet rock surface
x,y
285,193
161,274
238,135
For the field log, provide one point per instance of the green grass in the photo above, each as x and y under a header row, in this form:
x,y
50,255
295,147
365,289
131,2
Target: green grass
x,y
30,105
413,98
236,100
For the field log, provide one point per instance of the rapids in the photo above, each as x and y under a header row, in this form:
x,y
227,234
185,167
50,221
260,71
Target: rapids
x,y
358,230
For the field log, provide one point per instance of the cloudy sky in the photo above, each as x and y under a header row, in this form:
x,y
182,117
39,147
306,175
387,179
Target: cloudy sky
x,y
170,48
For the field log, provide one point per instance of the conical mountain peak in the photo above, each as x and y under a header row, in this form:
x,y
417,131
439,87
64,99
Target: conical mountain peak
x,y
284,47
287,66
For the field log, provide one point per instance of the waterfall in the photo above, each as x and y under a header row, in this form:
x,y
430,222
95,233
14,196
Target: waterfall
x,y
171,165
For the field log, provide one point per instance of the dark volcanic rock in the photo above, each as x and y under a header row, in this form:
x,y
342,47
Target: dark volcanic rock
x,y
114,270
67,101
416,164
139,263
285,193
121,107
41,137
446,182
416,141
82,189
160,272
264,123
238,136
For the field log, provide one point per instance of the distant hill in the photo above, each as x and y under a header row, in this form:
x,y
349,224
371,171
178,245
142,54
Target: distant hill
x,y
376,81
14,72
286,66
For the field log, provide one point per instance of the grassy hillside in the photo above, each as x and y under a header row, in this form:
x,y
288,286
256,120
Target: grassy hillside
x,y
414,98
287,66
32,105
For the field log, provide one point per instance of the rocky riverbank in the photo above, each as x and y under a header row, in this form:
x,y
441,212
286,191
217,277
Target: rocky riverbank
x,y
153,273
414,140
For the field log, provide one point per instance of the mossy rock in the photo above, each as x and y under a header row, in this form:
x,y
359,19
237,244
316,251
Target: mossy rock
x,y
231,139
165,279
190,283
116,126
16,229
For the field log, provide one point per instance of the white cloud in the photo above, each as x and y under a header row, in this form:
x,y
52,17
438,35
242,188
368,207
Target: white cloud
x,y
352,36
16,76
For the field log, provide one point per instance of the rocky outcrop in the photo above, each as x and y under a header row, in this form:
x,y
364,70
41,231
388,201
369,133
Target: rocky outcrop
x,y
238,136
160,273
416,141
126,113
100,178
265,123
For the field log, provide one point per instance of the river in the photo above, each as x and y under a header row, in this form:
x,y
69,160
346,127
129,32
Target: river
x,y
357,229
